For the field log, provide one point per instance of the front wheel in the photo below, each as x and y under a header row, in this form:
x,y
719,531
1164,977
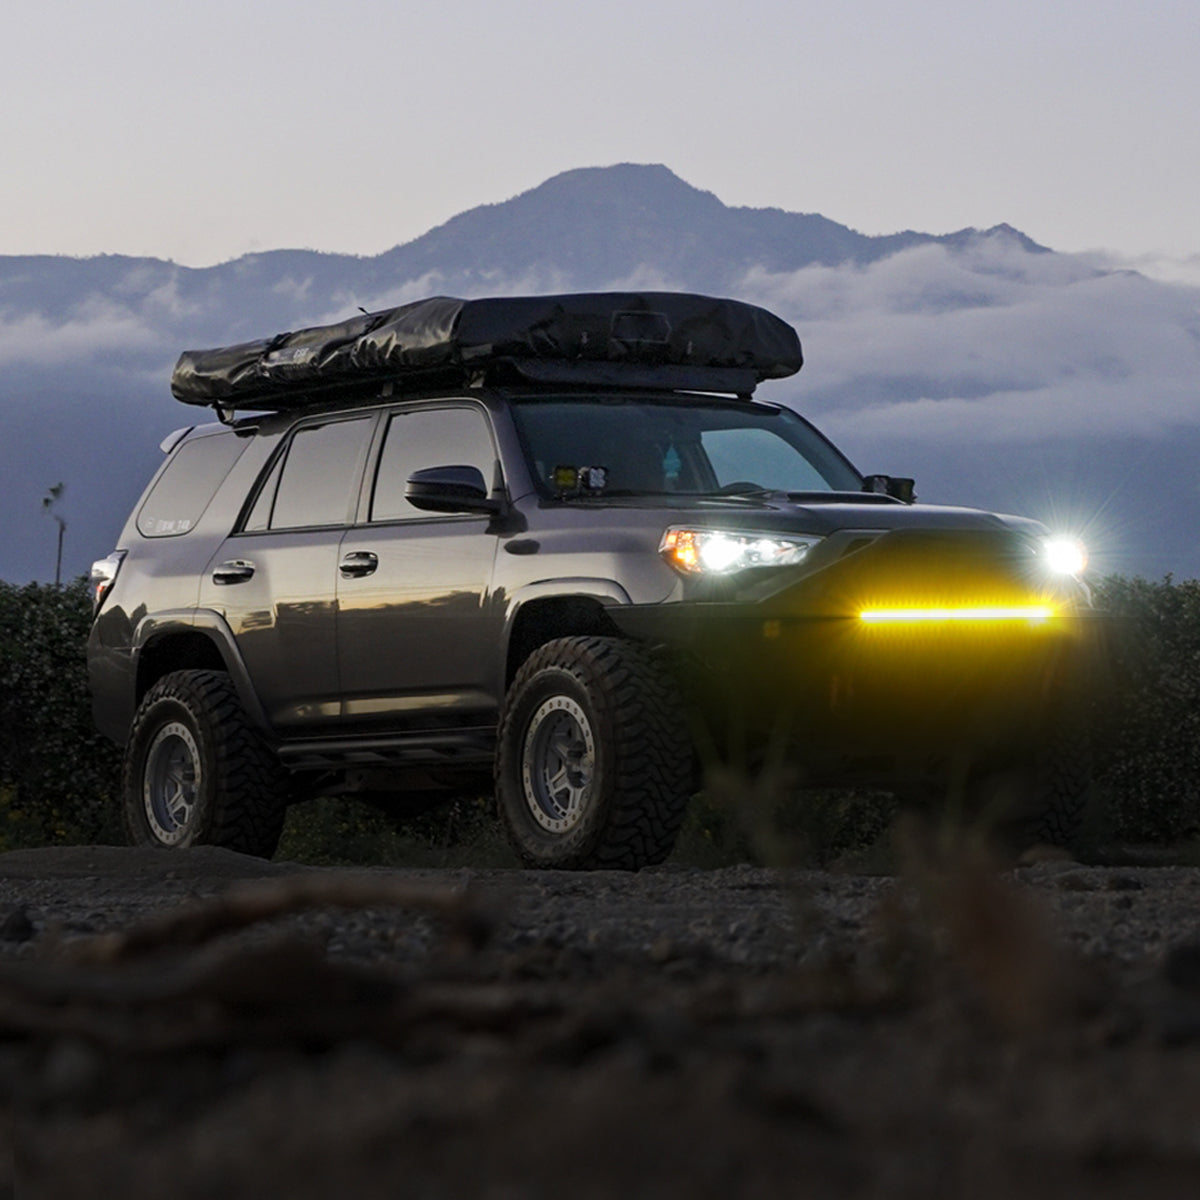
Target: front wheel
x,y
595,766
198,773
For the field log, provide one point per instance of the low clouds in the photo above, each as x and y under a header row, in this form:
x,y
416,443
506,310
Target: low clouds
x,y
96,330
1167,268
990,342
985,340
536,281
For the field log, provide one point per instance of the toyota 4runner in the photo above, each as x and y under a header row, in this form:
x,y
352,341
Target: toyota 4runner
x,y
554,543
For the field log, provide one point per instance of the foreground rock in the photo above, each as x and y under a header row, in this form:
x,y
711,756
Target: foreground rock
x,y
198,1023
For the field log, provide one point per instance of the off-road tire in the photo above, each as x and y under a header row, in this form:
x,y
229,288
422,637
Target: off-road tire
x,y
197,772
634,771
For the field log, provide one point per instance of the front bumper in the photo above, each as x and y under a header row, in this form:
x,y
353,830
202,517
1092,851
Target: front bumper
x,y
967,663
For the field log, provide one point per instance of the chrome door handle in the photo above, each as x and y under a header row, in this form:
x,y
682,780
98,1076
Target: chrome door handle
x,y
358,563
236,570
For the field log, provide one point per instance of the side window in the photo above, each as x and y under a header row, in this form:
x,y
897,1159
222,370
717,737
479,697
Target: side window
x,y
431,437
259,517
320,475
179,498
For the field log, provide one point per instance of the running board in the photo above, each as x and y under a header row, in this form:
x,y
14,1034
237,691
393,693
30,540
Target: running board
x,y
427,747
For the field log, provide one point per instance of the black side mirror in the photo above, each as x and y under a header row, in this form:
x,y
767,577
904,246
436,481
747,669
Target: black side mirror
x,y
895,486
449,490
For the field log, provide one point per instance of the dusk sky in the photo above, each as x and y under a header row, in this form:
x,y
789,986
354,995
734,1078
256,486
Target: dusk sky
x,y
200,132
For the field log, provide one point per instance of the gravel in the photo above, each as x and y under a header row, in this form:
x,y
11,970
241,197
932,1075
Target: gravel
x,y
743,916
952,1031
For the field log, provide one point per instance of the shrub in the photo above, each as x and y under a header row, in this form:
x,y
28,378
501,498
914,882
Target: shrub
x,y
765,820
58,777
343,831
1149,748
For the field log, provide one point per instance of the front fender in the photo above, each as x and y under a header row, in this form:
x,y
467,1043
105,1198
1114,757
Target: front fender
x,y
607,593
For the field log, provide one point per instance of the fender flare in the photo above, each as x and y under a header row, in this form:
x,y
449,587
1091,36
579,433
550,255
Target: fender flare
x,y
206,621
607,592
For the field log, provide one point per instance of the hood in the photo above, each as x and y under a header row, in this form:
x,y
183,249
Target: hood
x,y
822,513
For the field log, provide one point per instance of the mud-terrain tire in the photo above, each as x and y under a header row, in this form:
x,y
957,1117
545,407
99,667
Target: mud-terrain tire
x,y
197,772
595,765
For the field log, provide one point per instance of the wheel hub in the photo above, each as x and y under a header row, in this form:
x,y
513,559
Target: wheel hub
x,y
558,764
171,783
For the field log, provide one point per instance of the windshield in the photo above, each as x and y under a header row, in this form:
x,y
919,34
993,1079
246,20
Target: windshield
x,y
697,447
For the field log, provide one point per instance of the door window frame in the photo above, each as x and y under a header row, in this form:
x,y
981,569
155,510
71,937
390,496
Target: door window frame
x,y
276,465
375,460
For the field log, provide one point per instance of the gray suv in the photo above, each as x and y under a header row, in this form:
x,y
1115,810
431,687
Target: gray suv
x,y
554,543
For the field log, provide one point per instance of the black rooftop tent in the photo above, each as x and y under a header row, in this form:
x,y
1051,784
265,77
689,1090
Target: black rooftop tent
x,y
643,339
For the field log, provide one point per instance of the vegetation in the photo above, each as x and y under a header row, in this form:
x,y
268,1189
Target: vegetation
x,y
1149,748
59,778
337,831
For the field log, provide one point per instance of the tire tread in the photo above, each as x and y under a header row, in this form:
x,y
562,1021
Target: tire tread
x,y
247,800
655,769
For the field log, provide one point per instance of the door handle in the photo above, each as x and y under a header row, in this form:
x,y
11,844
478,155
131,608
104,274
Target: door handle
x,y
236,570
358,563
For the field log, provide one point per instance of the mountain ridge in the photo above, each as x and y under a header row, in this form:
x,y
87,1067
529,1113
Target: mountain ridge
x,y
639,214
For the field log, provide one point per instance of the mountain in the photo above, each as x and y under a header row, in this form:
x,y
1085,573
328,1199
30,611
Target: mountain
x,y
997,371
587,228
621,223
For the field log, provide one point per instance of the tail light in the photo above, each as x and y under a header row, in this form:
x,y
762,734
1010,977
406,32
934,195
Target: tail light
x,y
103,576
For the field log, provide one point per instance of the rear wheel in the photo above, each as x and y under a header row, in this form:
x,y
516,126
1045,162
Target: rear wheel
x,y
198,772
595,766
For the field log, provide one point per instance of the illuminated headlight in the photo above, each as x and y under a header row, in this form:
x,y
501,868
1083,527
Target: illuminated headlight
x,y
719,552
1064,555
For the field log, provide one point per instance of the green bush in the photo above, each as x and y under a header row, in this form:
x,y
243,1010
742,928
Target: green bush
x,y
58,777
343,831
1148,768
741,820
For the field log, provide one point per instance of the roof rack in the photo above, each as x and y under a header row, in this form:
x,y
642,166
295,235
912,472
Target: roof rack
x,y
672,340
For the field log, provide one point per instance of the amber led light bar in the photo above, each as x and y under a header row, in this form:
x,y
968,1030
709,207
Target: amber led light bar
x,y
1034,614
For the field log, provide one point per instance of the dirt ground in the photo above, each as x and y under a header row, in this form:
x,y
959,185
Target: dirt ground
x,y
198,1024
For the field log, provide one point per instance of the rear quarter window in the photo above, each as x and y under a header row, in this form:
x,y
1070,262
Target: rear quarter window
x,y
190,480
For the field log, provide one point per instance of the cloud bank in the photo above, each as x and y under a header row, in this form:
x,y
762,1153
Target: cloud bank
x,y
991,342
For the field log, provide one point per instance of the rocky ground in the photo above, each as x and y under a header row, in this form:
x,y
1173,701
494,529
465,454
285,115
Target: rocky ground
x,y
199,1024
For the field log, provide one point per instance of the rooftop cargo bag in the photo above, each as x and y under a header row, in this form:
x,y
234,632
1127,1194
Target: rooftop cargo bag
x,y
669,339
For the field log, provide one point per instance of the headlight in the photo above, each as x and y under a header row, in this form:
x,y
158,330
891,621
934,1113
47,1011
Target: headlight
x,y
1064,555
720,552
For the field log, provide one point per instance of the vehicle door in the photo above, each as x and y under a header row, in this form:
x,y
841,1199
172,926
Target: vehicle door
x,y
418,626
276,579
